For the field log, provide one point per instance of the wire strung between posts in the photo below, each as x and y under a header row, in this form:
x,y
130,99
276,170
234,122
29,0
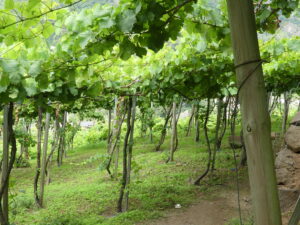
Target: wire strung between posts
x,y
233,119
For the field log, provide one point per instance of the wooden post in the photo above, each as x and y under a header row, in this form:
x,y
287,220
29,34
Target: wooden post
x,y
255,116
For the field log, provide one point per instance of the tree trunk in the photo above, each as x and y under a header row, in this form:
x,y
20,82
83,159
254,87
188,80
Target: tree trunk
x,y
8,137
125,153
62,142
5,161
217,129
255,116
109,131
177,119
197,182
164,130
115,145
117,159
28,131
150,127
287,99
197,123
188,132
44,159
273,105
130,146
173,134
64,149
54,145
38,157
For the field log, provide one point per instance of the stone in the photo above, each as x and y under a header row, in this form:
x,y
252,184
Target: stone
x,y
292,138
284,159
287,198
282,176
287,165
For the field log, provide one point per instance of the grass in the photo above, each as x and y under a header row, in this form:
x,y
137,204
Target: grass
x,y
81,194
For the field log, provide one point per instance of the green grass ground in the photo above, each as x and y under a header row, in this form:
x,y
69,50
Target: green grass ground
x,y
81,194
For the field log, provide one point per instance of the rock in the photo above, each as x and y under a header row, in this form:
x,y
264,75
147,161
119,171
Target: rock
x,y
296,120
284,165
284,159
292,138
177,206
287,166
282,175
287,198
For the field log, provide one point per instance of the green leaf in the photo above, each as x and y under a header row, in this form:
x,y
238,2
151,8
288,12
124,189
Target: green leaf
x,y
294,45
43,81
102,46
9,4
35,68
157,39
101,11
126,49
33,3
48,29
84,38
106,22
4,82
9,66
13,93
9,40
140,51
174,28
15,77
73,91
126,20
30,85
95,89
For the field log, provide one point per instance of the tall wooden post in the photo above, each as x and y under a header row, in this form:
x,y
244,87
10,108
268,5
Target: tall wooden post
x,y
255,116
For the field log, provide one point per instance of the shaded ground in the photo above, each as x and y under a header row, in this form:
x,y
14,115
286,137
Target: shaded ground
x,y
82,194
216,210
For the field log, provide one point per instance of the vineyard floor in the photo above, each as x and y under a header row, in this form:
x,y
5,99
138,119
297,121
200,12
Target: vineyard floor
x,y
219,209
81,193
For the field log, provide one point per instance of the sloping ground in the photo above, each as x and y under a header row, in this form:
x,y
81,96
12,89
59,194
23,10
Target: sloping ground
x,y
81,194
218,210
222,209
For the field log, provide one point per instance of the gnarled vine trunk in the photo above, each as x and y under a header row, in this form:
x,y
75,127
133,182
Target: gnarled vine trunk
x,y
8,162
164,130
38,156
44,160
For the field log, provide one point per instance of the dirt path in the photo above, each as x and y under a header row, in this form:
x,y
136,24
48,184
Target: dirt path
x,y
216,210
